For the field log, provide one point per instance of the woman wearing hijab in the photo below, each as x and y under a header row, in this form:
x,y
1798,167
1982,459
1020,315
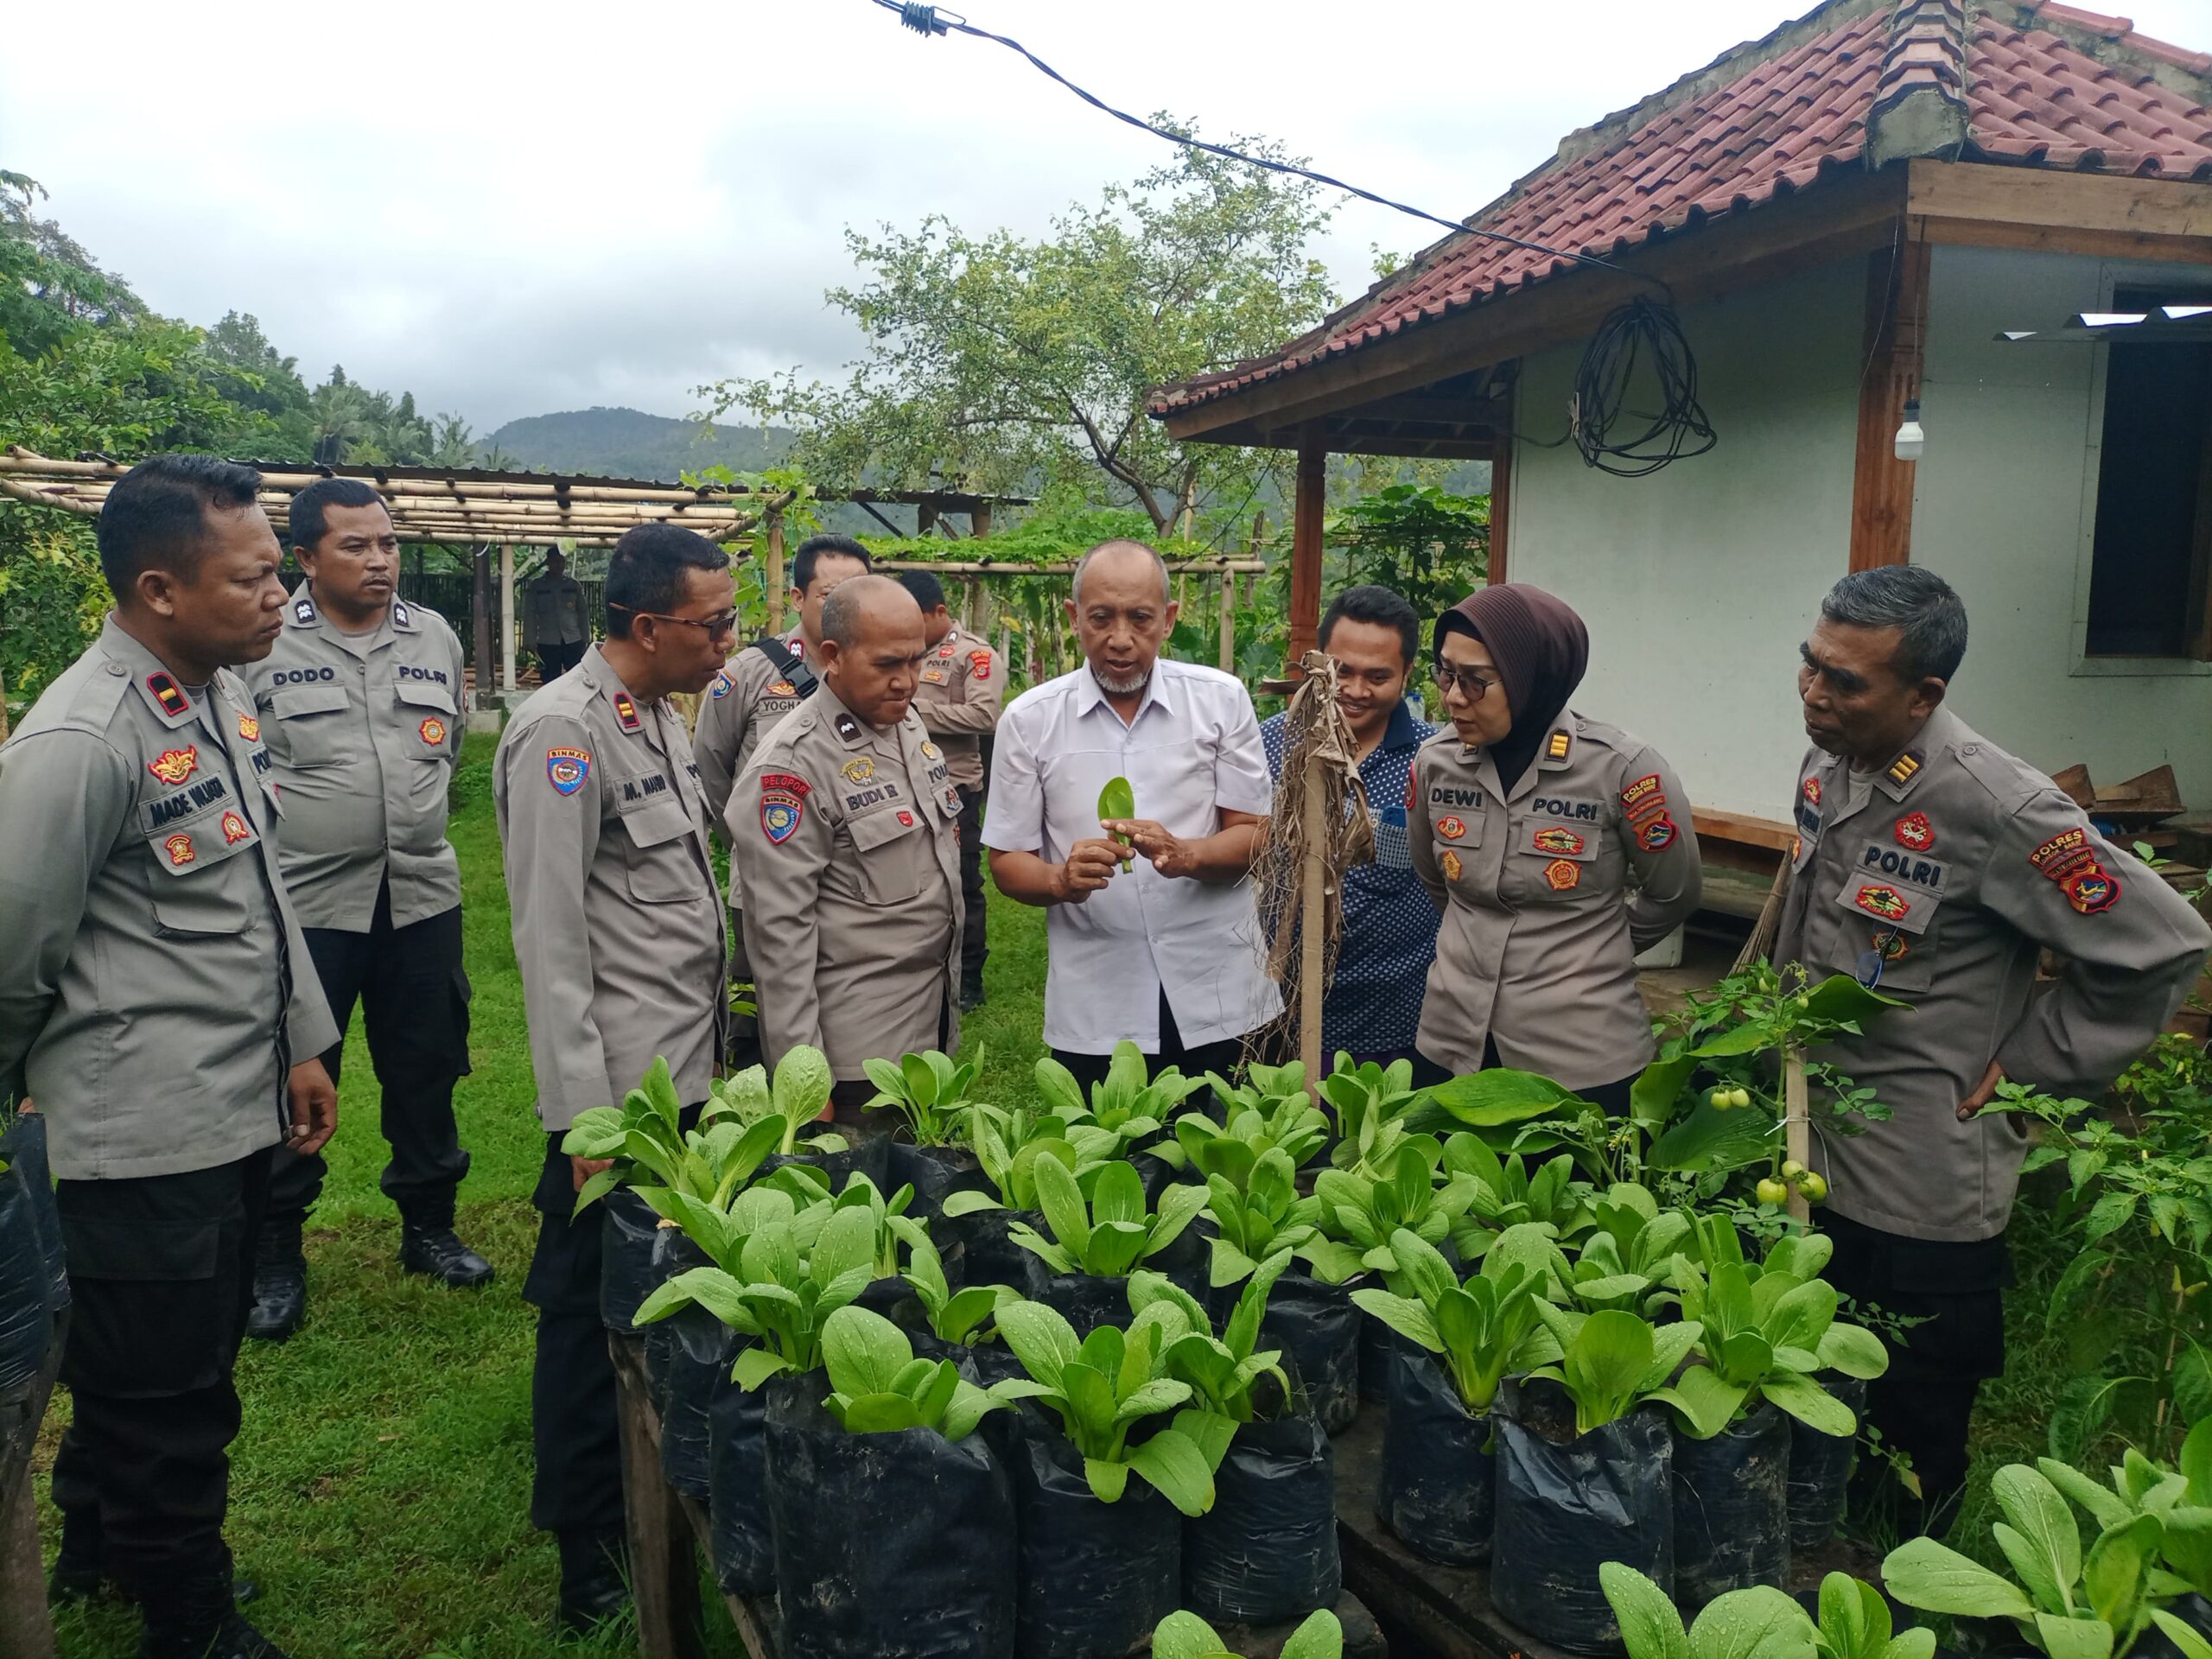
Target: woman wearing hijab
x,y
1557,848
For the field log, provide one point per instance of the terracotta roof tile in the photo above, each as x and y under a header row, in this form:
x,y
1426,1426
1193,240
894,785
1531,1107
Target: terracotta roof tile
x,y
2031,97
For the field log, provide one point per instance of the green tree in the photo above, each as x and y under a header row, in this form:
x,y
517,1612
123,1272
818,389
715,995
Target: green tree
x,y
994,362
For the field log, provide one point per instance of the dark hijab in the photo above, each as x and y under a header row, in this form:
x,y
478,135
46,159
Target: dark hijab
x,y
1541,648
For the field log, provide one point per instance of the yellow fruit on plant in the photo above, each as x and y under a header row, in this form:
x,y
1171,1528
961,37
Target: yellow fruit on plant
x,y
1814,1187
1720,1100
1739,1098
1792,1169
1773,1192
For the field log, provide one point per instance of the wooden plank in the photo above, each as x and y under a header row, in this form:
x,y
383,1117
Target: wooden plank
x,y
2162,210
2049,238
664,1566
1305,547
1830,221
1501,502
1713,824
1881,485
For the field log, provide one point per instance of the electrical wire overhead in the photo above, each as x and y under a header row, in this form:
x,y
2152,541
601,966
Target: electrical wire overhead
x,y
1639,329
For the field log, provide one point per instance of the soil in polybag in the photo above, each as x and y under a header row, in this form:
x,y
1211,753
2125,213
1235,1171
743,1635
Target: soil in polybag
x,y
1732,1508
1316,1326
1439,1474
627,1226
1568,1503
1820,1469
737,1474
1266,1553
898,1546
1096,1578
26,1312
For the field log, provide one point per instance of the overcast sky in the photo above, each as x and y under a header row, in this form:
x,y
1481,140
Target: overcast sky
x,y
510,211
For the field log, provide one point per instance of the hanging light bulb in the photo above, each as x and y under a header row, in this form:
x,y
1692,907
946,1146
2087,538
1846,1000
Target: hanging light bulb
x,y
1911,439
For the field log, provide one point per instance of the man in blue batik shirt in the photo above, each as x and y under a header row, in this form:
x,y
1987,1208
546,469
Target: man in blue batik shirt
x,y
1373,1007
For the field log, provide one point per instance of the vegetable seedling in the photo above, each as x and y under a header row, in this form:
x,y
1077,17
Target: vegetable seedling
x,y
1126,1107
1483,1329
1114,1231
1117,801
878,1387
930,1090
1185,1636
1612,1361
958,1316
1760,1623
1266,1216
1223,1369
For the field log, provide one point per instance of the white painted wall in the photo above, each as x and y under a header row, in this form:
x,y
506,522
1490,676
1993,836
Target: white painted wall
x,y
1699,583
2006,502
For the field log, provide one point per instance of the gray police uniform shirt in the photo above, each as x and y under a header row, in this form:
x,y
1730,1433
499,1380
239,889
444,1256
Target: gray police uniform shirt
x,y
553,613
352,720
962,684
619,929
1541,924
1958,866
848,840
154,988
745,702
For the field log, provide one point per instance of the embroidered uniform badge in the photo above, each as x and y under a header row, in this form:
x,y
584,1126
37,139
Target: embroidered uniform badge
x,y
1811,791
1642,796
779,815
782,689
1451,864
1555,838
248,728
432,730
168,696
566,769
234,830
173,766
848,727
1655,835
720,687
179,848
2091,890
1564,875
905,820
979,664
859,769
1451,828
1904,768
1556,746
626,712
1915,832
1885,902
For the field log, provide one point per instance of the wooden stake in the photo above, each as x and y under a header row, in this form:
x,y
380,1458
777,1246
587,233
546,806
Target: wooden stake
x,y
1306,544
772,574
1797,1123
506,616
481,593
1313,921
1228,623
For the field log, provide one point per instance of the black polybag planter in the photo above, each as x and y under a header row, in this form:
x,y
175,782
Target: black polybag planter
x,y
2154,1643
1379,1348
687,1349
898,1546
26,1296
1318,1326
991,1257
871,1158
1266,1553
1086,1300
1096,1578
935,1173
1820,1469
1732,1508
23,1148
626,1225
737,1467
1568,1503
1438,1475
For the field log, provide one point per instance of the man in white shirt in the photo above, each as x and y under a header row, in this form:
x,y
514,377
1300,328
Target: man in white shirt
x,y
1167,953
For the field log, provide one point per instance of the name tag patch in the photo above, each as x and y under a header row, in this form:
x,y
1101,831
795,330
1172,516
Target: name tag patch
x,y
1919,872
1585,811
185,803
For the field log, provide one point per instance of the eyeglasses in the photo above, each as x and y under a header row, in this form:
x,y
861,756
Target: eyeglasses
x,y
1871,963
720,622
1465,679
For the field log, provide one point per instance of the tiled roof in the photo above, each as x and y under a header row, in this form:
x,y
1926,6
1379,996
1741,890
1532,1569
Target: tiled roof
x,y
2033,83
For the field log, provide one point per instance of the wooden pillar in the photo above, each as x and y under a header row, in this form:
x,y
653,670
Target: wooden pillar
x,y
1306,544
1501,496
1881,485
772,570
1312,923
481,600
1229,622
506,616
925,520
979,522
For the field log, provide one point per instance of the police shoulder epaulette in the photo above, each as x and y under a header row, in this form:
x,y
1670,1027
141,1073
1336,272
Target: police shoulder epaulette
x,y
1557,744
1906,767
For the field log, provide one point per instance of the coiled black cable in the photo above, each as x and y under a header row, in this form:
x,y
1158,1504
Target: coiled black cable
x,y
1639,336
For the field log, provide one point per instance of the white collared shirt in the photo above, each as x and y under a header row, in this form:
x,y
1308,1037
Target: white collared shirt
x,y
1193,752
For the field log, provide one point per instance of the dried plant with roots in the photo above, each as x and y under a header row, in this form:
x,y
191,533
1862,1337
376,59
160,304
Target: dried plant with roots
x,y
1319,760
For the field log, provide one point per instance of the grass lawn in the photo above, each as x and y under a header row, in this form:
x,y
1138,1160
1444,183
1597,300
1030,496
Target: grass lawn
x,y
380,1487
381,1484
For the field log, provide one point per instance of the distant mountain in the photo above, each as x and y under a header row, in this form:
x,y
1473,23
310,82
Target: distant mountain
x,y
630,444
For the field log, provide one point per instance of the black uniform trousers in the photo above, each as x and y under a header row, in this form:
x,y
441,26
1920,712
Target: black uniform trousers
x,y
414,998
1221,1057
577,1488
974,944
556,659
1924,1403
160,1278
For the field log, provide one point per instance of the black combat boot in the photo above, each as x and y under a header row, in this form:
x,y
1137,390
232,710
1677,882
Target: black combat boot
x,y
280,1280
971,992
198,1619
78,1574
428,1245
593,1589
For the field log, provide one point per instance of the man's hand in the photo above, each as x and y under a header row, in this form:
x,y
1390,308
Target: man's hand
x,y
314,1108
1090,865
583,1169
1984,1093
1169,854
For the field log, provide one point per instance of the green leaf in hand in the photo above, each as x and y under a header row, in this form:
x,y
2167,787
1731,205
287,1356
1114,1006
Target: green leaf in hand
x,y
1117,800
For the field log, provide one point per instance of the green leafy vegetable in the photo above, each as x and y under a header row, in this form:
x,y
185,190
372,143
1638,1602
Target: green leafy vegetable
x,y
1117,801
930,1090
1111,1233
1483,1329
1611,1362
960,1316
1760,1623
878,1387
1185,1636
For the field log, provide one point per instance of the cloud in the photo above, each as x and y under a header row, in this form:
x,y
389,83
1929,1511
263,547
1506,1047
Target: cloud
x,y
509,216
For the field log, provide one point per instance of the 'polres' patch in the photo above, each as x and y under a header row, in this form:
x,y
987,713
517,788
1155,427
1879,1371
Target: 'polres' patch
x,y
2062,854
1885,902
781,813
566,769
1655,835
1638,794
979,664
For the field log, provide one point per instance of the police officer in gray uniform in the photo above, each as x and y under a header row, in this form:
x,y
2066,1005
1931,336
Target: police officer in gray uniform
x,y
1935,867
359,707
156,1003
619,932
844,830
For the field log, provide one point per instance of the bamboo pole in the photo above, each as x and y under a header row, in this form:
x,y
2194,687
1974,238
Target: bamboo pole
x,y
506,616
1228,622
1797,1123
771,575
480,589
1305,542
1313,921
